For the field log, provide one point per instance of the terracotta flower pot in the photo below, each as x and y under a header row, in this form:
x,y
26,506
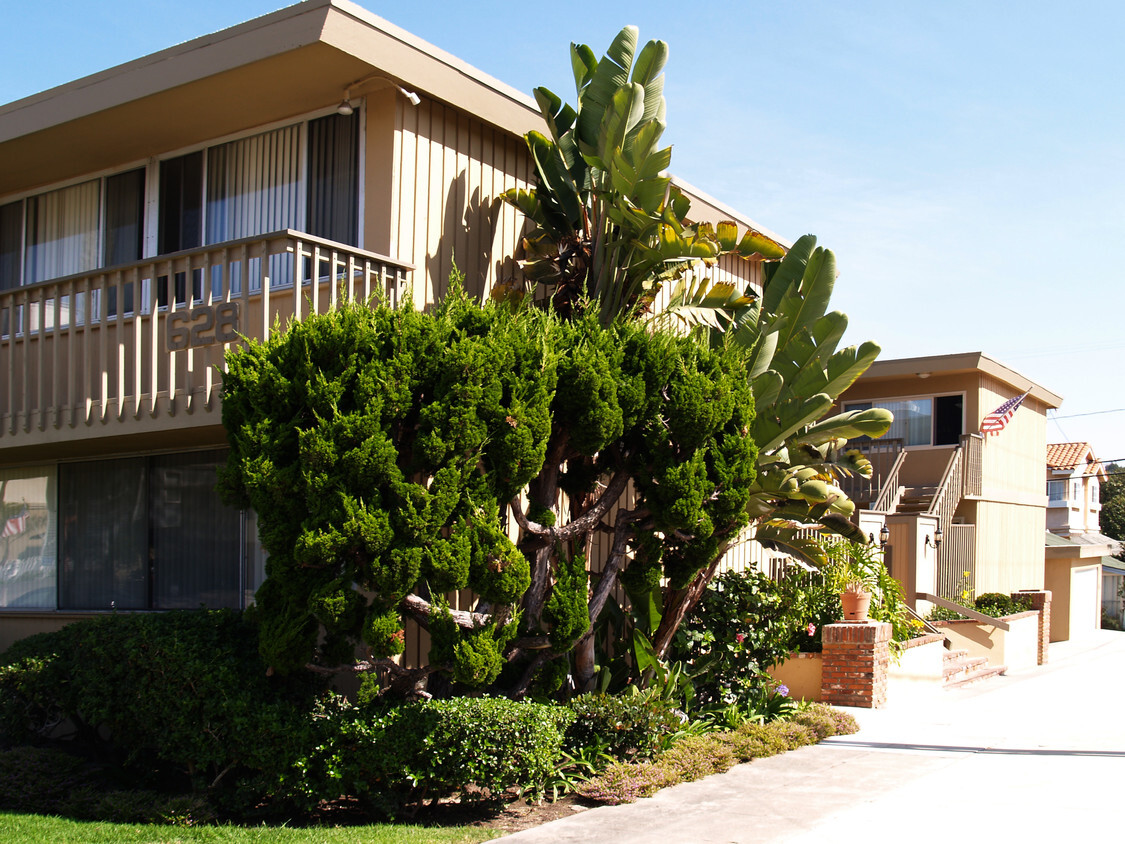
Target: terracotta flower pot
x,y
855,605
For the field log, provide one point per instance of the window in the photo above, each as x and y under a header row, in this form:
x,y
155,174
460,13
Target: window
x,y
132,533
1056,491
148,533
303,176
27,546
937,420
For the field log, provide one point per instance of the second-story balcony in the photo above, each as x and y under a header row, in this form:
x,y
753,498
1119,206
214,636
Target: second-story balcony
x,y
125,349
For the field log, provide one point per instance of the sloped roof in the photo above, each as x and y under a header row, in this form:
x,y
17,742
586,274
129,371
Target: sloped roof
x,y
1070,456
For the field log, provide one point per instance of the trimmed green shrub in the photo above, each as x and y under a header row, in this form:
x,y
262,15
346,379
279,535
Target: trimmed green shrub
x,y
626,726
999,605
49,782
746,623
391,758
184,690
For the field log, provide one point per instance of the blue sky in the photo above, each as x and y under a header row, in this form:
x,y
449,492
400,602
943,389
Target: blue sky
x,y
964,160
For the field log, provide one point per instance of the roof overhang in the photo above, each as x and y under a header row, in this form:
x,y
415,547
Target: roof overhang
x,y
283,64
963,363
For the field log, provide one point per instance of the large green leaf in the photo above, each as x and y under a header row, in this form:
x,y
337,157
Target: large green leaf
x,y
788,273
848,364
872,422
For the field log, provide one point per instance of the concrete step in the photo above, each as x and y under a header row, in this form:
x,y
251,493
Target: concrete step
x,y
976,676
953,670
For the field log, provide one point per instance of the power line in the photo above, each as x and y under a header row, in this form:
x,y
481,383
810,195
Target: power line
x,y
1091,413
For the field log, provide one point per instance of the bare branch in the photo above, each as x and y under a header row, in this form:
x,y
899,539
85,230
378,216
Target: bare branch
x,y
420,610
585,523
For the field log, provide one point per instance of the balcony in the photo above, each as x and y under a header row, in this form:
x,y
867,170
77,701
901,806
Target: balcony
x,y
132,347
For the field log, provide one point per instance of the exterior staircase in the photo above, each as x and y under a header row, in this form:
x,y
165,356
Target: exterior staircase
x,y
960,669
917,499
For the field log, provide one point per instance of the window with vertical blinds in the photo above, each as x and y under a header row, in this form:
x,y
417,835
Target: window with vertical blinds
x,y
242,188
253,185
62,232
148,533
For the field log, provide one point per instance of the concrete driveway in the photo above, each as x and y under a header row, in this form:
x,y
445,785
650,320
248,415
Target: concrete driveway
x,y
1036,755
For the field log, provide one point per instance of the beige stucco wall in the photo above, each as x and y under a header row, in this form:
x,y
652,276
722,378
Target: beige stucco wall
x,y
1017,647
1075,587
802,674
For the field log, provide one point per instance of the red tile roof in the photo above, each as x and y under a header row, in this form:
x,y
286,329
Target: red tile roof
x,y
1071,456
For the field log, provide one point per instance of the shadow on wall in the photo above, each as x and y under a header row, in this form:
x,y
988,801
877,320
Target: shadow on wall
x,y
469,242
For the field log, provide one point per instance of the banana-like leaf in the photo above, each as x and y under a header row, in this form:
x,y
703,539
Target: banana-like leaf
x,y
756,243
647,72
624,112
771,431
766,387
848,364
872,422
788,538
805,304
726,233
584,63
780,277
611,74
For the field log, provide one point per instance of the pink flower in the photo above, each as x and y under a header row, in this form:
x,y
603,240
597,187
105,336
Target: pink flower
x,y
738,637
812,629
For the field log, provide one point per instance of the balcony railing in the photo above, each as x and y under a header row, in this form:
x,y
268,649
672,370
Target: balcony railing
x,y
144,340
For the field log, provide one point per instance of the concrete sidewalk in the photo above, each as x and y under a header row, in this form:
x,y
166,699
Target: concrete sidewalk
x,y
1036,754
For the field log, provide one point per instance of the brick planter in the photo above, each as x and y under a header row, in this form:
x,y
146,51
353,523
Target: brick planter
x,y
857,657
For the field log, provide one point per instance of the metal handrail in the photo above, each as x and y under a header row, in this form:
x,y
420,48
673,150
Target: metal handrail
x,y
965,611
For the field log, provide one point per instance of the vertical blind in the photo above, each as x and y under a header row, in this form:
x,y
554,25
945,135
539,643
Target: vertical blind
x,y
253,185
148,533
62,232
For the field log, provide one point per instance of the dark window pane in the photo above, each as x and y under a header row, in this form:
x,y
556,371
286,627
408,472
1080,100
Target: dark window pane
x,y
948,412
124,217
181,203
11,229
196,538
124,227
104,557
333,180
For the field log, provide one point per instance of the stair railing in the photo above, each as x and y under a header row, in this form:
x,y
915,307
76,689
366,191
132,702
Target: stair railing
x,y
943,505
892,491
975,615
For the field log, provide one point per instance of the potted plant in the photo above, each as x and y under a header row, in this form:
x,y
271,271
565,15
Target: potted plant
x,y
858,579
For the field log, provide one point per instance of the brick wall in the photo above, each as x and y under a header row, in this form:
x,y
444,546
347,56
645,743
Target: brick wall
x,y
857,656
1040,601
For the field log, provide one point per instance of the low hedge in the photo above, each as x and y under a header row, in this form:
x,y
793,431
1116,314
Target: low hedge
x,y
699,756
184,691
390,758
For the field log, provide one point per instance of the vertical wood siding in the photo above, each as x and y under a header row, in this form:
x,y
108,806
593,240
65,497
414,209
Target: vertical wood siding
x,y
449,171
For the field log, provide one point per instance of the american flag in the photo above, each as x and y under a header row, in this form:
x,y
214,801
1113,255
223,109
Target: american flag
x,y
994,423
16,525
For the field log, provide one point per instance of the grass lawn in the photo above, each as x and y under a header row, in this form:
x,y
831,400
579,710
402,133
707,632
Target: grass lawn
x,y
36,829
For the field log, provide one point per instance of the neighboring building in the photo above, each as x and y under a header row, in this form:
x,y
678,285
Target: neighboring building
x,y
1074,479
935,470
1076,549
151,213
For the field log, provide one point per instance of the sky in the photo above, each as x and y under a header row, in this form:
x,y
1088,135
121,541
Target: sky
x,y
964,160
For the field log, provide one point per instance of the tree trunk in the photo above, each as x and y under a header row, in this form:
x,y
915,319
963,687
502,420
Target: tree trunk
x,y
678,603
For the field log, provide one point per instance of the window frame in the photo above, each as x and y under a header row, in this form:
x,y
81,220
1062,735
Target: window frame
x,y
878,402
250,552
151,198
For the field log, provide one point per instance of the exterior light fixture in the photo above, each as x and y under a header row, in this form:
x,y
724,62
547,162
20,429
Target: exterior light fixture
x,y
884,536
935,543
345,107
